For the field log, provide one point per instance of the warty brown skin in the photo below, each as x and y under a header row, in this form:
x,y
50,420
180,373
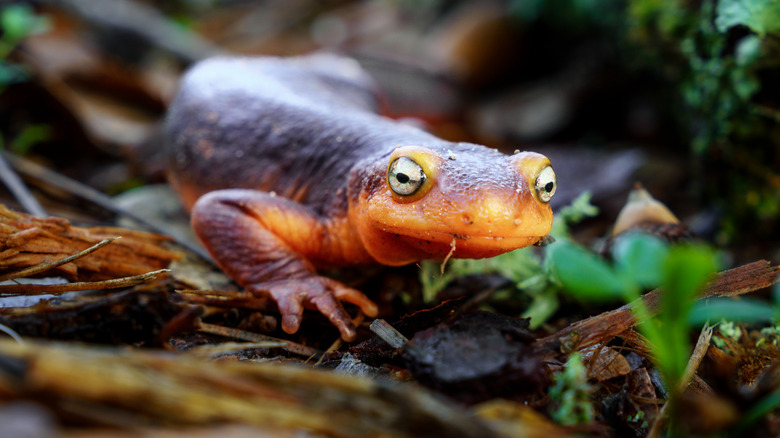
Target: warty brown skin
x,y
284,163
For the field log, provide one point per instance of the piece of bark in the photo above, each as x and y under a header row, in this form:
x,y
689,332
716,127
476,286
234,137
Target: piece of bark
x,y
603,327
26,241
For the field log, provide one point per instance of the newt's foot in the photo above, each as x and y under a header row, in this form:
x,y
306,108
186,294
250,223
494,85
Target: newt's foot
x,y
316,293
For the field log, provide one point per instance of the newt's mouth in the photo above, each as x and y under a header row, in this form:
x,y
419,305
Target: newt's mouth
x,y
439,244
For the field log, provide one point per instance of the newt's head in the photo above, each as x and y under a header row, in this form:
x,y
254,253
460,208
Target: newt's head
x,y
475,199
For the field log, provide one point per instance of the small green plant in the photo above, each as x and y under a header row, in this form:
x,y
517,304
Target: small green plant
x,y
639,419
714,60
18,22
644,262
570,403
729,331
769,335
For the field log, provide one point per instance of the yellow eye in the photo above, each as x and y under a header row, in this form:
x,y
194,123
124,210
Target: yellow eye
x,y
545,184
405,176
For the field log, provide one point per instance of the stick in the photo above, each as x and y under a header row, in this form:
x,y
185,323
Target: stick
x,y
59,289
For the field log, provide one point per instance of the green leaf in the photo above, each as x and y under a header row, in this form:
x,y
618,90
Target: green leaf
x,y
761,16
30,136
686,270
759,410
586,276
574,213
542,306
641,256
11,74
19,21
743,310
748,51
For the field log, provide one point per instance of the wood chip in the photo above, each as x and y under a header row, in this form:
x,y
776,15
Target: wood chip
x,y
27,241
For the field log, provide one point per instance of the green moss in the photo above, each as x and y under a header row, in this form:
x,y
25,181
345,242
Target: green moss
x,y
569,395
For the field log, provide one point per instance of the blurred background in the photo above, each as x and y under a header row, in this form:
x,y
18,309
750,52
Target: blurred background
x,y
680,96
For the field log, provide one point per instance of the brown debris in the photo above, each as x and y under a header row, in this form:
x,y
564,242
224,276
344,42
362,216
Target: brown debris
x,y
636,405
165,389
604,363
127,317
520,420
26,241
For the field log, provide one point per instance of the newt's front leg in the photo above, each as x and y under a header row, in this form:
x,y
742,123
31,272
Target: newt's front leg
x,y
265,243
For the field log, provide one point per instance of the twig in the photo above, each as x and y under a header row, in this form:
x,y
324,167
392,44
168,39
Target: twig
x,y
10,332
59,289
43,267
35,170
20,191
702,345
229,332
218,298
338,342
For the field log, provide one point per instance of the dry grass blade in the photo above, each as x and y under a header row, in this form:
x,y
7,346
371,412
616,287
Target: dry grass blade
x,y
20,191
702,344
10,332
59,289
45,266
230,348
244,335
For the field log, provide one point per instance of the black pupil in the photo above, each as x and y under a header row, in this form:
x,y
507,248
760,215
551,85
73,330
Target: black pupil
x,y
549,186
402,178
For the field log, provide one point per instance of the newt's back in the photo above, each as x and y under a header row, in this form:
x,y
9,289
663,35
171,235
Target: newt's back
x,y
271,124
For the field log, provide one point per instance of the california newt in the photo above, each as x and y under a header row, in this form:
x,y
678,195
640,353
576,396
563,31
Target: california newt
x,y
287,167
